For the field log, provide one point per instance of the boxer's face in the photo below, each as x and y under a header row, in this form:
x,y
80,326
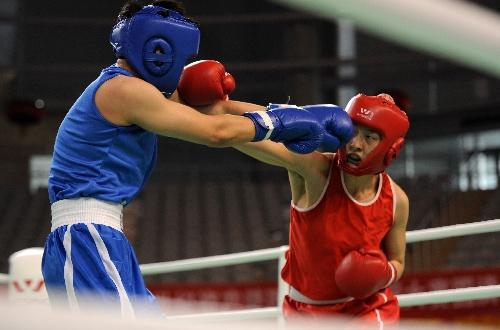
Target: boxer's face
x,y
363,142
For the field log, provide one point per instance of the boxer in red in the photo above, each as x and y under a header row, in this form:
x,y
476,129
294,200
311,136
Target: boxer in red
x,y
347,216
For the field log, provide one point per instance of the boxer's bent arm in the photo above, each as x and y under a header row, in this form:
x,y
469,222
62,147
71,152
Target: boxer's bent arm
x,y
394,243
307,173
127,100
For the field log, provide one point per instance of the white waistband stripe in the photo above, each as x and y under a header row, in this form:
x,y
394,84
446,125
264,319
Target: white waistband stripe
x,y
86,210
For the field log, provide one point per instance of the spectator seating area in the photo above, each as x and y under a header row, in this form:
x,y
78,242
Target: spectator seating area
x,y
219,214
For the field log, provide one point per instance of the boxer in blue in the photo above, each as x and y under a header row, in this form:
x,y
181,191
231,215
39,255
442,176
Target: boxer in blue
x,y
105,150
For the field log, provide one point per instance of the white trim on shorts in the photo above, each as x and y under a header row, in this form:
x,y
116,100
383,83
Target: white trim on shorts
x,y
68,272
109,266
297,296
379,319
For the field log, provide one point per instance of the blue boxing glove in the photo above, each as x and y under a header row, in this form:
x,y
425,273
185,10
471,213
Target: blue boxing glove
x,y
336,123
298,129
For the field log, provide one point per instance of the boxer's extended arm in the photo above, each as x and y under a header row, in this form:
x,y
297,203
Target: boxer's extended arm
x,y
131,101
307,173
207,91
267,151
206,82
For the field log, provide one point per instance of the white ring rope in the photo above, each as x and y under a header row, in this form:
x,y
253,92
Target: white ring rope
x,y
156,268
237,315
449,295
464,229
405,300
213,261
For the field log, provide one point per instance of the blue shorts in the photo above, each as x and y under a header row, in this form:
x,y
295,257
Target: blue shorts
x,y
87,262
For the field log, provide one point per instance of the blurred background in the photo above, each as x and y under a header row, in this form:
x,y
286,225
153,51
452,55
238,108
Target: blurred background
x,y
202,201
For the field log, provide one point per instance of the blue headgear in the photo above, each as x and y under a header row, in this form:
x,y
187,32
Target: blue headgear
x,y
157,43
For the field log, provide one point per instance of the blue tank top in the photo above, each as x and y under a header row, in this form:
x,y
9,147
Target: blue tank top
x,y
95,158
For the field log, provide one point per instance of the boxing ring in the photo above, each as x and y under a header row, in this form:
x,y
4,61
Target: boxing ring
x,y
278,254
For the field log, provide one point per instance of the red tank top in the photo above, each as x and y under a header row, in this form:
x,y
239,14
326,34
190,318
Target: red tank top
x,y
322,234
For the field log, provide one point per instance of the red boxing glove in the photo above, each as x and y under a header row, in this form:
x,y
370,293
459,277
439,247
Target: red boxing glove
x,y
205,82
362,273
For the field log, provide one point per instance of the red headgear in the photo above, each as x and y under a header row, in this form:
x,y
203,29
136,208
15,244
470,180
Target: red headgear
x,y
379,113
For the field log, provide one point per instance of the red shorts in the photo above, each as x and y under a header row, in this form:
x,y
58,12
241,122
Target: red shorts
x,y
380,310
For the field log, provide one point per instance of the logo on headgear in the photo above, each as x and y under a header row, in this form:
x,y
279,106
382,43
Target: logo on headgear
x,y
157,43
365,113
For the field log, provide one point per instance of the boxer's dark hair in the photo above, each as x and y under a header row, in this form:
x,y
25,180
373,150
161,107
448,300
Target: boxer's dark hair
x,y
133,6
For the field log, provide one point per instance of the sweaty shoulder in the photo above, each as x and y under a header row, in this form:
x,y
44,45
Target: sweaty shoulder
x,y
121,95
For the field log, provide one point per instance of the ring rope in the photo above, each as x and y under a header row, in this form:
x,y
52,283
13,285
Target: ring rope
x,y
464,229
274,253
405,300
